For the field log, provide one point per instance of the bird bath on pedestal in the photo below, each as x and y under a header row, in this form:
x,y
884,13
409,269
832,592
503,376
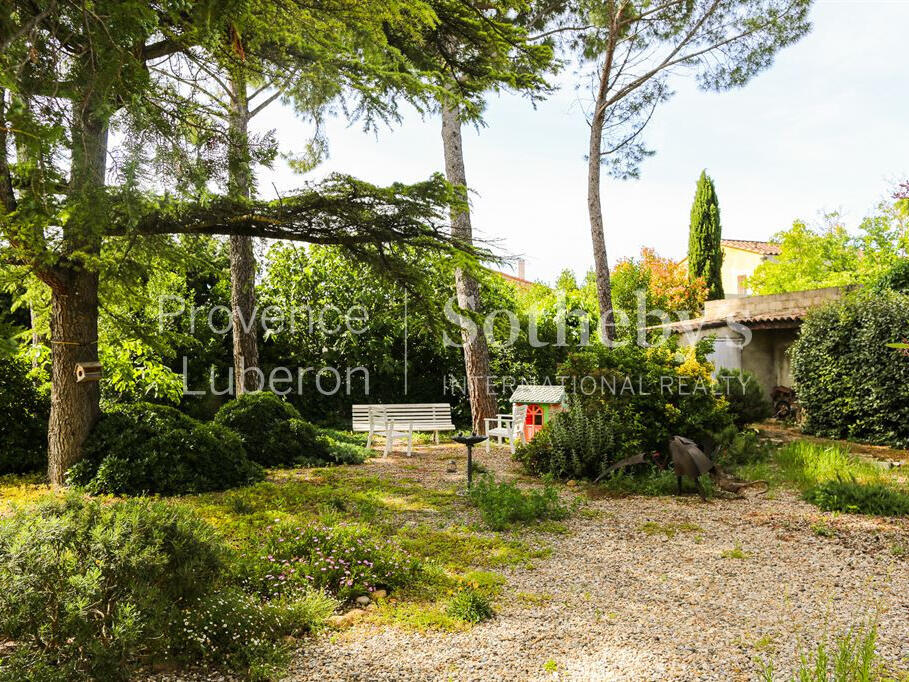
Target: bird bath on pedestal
x,y
469,441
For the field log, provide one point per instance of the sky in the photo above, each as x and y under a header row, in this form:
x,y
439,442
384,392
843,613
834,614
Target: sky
x,y
825,128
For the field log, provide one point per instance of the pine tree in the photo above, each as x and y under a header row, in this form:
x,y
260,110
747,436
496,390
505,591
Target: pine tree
x,y
705,253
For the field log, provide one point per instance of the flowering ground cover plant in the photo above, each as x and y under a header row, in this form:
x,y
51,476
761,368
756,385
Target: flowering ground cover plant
x,y
345,560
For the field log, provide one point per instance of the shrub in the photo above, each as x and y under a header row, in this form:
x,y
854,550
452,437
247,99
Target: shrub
x,y
274,434
627,399
502,504
739,448
849,382
745,396
343,560
144,448
576,443
343,451
656,392
23,420
270,428
91,588
234,630
470,606
896,278
859,498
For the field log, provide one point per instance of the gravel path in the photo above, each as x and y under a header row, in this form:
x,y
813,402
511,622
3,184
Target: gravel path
x,y
615,602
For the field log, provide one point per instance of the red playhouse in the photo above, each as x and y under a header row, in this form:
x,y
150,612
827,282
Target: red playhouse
x,y
543,401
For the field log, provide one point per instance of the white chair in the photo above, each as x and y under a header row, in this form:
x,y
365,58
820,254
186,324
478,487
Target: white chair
x,y
391,433
510,426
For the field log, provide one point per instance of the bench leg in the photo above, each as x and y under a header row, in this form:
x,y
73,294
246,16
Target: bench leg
x,y
410,443
369,439
388,441
436,437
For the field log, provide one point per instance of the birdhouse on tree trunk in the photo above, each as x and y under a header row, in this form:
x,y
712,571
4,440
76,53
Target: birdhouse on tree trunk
x,y
542,401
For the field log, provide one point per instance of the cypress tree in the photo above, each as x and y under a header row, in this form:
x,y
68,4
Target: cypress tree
x,y
705,253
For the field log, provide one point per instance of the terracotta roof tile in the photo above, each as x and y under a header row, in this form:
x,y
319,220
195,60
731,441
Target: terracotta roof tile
x,y
764,248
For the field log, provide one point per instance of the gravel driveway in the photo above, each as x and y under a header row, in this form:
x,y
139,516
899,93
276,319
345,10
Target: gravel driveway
x,y
620,598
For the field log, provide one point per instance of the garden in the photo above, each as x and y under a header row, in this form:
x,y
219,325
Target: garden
x,y
261,419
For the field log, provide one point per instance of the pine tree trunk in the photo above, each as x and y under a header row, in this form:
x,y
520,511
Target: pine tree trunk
x,y
74,303
476,351
242,257
74,338
597,232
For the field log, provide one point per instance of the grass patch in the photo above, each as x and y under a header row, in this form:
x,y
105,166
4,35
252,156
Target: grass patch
x,y
735,553
470,605
670,530
504,504
534,598
851,657
859,498
822,530
422,522
834,479
421,616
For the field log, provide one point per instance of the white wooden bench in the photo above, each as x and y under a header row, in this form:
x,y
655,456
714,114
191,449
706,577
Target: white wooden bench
x,y
401,420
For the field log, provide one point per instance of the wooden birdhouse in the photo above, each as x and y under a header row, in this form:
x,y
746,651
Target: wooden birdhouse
x,y
543,402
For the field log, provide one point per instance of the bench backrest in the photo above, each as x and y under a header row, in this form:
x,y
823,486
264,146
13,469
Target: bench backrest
x,y
423,416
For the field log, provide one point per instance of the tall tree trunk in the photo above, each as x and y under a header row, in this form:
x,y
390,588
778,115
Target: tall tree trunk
x,y
476,350
595,211
242,257
74,338
74,301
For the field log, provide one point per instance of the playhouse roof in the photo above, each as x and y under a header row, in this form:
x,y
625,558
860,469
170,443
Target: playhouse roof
x,y
538,394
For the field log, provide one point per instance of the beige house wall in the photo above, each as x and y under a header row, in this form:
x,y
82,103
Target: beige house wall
x,y
736,263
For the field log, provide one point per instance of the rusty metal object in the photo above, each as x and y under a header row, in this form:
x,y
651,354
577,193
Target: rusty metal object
x,y
785,403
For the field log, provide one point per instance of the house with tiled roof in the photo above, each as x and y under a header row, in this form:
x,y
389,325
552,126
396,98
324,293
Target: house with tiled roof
x,y
740,258
754,332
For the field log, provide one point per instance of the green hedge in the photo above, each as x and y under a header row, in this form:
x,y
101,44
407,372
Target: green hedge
x,y
745,396
850,383
274,435
145,448
23,420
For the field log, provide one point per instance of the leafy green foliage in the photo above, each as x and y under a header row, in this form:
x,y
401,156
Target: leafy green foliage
x,y
896,278
830,255
23,420
504,504
744,394
230,628
470,606
576,443
705,253
91,587
274,435
269,427
646,394
144,448
859,498
739,448
345,560
849,382
666,285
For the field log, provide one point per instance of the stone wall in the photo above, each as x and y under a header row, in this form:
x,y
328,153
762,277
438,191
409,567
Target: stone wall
x,y
792,303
